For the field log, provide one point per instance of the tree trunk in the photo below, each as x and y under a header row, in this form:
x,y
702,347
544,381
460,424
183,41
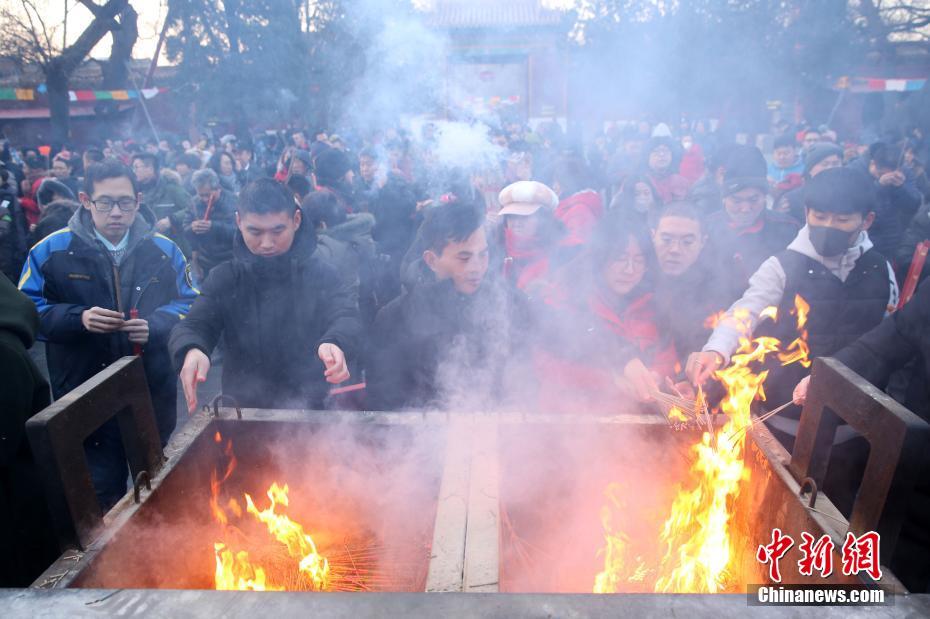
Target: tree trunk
x,y
116,69
57,82
59,69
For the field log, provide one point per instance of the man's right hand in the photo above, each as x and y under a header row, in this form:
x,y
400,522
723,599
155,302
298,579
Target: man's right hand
x,y
201,226
800,391
702,365
100,320
195,369
163,225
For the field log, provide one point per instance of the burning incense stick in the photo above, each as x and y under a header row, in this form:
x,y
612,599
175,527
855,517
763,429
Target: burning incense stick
x,y
756,420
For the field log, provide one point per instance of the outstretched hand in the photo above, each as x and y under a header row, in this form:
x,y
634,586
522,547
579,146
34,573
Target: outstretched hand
x,y
195,369
335,361
702,365
800,391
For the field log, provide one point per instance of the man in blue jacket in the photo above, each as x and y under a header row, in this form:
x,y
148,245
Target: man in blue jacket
x,y
86,280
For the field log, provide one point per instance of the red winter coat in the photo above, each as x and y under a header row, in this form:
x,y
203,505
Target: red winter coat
x,y
527,260
671,188
692,164
569,385
580,213
30,205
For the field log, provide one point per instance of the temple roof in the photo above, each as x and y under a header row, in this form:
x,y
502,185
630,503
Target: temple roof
x,y
490,14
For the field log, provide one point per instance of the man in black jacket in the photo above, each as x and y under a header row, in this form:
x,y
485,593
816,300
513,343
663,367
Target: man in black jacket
x,y
451,340
289,320
27,542
85,281
745,233
899,340
898,200
691,287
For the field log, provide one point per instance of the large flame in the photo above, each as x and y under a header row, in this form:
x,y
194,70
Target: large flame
x,y
234,570
299,545
697,552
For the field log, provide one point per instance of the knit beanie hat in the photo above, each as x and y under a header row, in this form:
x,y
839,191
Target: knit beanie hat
x,y
745,167
818,152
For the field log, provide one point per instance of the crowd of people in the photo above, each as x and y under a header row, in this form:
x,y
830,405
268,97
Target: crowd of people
x,y
556,278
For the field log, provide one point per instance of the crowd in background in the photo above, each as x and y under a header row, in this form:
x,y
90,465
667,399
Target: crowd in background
x,y
556,276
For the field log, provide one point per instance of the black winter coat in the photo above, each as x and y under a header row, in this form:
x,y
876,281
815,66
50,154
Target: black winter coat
x,y
744,252
273,314
434,347
684,303
71,271
895,208
900,339
14,234
27,541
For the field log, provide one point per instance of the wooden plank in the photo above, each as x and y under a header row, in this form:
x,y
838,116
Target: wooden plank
x,y
447,556
482,537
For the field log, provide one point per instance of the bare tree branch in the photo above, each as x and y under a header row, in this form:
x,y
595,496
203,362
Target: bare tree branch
x,y
91,6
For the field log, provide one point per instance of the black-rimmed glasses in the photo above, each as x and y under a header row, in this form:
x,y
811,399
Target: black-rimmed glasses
x,y
105,205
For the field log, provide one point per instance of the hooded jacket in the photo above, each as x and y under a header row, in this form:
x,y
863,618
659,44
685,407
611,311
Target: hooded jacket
x,y
350,248
166,196
71,271
348,245
273,314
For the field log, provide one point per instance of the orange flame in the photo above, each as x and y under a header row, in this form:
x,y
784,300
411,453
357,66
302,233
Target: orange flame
x,y
697,556
234,571
299,545
798,351
616,573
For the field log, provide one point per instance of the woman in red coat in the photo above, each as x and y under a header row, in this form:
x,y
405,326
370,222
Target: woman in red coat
x,y
601,348
531,236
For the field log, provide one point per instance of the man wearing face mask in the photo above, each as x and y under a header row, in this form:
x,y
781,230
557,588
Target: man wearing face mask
x,y
745,233
832,265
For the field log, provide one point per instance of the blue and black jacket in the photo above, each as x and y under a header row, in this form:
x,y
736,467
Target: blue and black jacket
x,y
71,271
